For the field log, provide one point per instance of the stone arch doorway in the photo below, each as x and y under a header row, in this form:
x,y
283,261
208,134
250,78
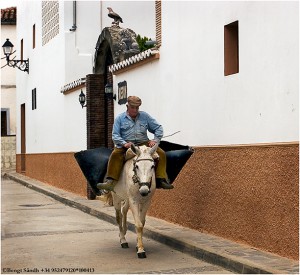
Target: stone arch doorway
x,y
114,45
100,107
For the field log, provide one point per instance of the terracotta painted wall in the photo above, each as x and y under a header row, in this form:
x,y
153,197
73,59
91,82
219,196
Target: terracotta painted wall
x,y
248,194
58,169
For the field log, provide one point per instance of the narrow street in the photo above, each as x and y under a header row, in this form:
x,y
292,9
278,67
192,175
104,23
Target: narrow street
x,y
42,235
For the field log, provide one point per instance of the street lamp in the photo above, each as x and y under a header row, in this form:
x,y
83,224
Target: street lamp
x,y
82,99
22,65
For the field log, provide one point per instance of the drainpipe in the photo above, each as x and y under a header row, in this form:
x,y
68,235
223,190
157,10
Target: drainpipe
x,y
74,27
101,15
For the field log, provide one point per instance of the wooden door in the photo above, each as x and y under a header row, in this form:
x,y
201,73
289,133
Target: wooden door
x,y
23,139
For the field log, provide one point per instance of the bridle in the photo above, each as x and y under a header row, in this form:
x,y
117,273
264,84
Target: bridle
x,y
135,177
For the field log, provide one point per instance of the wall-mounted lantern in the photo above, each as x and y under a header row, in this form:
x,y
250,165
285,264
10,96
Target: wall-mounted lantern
x,y
22,65
82,99
109,92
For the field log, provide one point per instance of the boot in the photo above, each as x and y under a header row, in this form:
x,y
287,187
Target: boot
x,y
108,185
163,183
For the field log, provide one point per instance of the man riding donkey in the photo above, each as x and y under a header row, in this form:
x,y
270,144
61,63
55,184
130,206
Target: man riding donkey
x,y
131,127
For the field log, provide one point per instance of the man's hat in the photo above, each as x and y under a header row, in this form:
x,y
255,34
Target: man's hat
x,y
134,101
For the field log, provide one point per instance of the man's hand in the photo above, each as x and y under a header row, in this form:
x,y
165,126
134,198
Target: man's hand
x,y
127,145
151,143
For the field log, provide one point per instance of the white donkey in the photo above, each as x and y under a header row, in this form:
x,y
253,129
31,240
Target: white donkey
x,y
134,190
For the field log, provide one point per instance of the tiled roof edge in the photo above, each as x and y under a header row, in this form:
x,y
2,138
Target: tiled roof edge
x,y
73,84
9,16
132,60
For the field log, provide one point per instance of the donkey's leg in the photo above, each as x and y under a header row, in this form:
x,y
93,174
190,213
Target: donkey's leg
x,y
124,210
140,247
119,218
139,226
142,209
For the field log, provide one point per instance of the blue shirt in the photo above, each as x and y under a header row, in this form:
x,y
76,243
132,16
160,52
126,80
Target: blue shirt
x,y
126,129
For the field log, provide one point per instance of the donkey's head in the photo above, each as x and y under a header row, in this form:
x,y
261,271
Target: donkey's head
x,y
144,167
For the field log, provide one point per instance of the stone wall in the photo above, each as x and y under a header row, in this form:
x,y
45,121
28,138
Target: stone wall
x,y
8,153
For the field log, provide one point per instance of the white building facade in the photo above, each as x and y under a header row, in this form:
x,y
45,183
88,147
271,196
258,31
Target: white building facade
x,y
187,88
224,74
8,94
8,74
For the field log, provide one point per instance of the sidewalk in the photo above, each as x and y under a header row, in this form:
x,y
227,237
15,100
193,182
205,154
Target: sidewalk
x,y
230,255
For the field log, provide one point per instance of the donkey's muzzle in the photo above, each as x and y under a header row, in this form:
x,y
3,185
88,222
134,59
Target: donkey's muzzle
x,y
144,189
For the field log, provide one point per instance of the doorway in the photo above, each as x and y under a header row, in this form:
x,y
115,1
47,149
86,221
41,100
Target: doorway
x,y
100,106
23,138
4,123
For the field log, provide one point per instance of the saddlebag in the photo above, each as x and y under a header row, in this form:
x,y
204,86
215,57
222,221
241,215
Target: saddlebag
x,y
93,162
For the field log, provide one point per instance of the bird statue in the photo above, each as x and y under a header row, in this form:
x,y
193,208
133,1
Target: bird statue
x,y
117,18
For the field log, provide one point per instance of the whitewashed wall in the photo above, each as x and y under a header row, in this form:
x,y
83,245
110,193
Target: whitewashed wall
x,y
186,89
8,80
80,44
59,123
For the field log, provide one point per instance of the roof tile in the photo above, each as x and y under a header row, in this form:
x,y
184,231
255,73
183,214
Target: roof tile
x,y
9,16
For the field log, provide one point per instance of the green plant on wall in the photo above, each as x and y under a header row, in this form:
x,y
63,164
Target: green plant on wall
x,y
142,43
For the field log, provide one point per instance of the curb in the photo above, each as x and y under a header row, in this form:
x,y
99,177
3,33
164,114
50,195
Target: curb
x,y
208,254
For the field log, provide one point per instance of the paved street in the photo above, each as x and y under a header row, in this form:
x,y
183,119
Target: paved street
x,y
42,235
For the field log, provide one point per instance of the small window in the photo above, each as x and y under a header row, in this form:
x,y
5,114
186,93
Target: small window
x,y
33,36
231,48
34,99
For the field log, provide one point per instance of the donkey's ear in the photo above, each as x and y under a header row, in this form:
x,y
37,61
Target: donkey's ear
x,y
135,149
153,149
129,154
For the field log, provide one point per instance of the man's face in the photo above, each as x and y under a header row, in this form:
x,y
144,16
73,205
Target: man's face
x,y
132,111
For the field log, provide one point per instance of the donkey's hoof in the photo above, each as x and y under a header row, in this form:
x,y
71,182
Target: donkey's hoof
x,y
142,255
124,245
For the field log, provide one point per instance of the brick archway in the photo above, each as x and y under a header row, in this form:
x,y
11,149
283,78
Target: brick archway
x,y
100,107
114,45
100,112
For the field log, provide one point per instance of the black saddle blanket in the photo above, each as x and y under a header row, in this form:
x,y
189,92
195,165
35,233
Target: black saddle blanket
x,y
93,162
